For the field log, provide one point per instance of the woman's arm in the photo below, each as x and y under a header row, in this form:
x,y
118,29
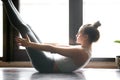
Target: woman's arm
x,y
56,44
68,51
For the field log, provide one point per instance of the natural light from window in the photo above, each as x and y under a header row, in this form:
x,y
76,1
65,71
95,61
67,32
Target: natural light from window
x,y
1,31
108,13
50,21
48,18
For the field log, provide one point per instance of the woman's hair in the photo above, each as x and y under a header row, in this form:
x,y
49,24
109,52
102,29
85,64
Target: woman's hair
x,y
91,31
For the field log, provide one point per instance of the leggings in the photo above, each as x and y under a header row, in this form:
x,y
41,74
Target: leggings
x,y
40,61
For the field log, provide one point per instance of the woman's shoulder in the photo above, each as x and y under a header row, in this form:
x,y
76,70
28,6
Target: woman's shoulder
x,y
82,52
79,49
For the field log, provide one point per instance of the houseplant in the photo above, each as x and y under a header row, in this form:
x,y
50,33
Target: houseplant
x,y
117,57
117,41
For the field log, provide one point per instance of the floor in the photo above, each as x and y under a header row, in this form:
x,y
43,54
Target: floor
x,y
83,74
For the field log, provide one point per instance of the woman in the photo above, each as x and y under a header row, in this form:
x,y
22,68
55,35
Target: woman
x,y
73,57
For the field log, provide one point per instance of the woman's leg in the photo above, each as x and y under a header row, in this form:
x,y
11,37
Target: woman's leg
x,y
39,60
17,22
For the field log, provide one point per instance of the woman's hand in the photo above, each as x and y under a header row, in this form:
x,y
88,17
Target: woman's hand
x,y
23,41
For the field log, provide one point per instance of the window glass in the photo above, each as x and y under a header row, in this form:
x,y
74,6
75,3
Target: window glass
x,y
107,12
48,18
1,30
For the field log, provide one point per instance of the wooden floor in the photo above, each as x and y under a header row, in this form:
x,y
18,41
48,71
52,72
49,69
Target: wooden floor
x,y
84,74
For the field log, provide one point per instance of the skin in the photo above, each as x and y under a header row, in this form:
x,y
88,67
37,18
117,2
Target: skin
x,y
79,53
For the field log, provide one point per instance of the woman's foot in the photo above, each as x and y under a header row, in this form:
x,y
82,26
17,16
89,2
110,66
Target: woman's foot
x,y
5,0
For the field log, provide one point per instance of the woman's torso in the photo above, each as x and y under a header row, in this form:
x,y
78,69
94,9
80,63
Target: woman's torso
x,y
65,64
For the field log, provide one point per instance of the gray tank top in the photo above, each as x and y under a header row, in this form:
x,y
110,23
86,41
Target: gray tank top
x,y
66,64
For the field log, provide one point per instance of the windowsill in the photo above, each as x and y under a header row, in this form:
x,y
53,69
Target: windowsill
x,y
101,64
92,64
15,64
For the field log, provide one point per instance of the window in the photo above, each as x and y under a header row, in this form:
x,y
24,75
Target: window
x,y
107,12
48,18
1,31
52,20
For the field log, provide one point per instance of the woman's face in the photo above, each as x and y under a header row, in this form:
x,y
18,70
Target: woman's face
x,y
81,38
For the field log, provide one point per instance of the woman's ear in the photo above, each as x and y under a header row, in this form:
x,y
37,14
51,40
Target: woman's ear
x,y
86,37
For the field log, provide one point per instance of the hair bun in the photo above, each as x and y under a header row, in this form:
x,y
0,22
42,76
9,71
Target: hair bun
x,y
96,24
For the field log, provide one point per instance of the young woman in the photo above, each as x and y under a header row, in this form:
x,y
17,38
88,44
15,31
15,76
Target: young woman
x,y
73,57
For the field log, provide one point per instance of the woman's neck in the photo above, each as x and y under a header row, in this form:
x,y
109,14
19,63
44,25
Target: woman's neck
x,y
87,46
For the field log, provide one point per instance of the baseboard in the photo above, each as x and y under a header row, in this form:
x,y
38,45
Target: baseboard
x,y
90,65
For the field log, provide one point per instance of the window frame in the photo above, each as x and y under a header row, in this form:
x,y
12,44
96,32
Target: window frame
x,y
9,34
2,40
11,52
